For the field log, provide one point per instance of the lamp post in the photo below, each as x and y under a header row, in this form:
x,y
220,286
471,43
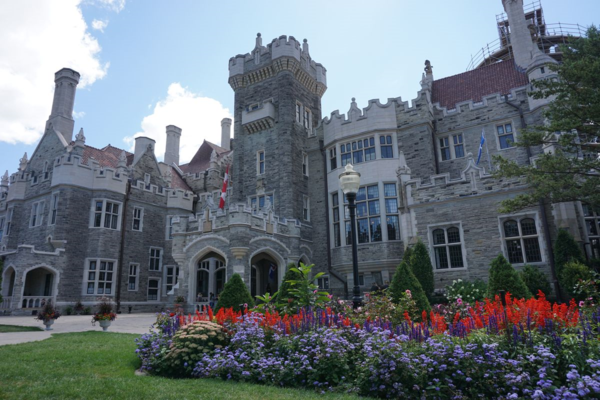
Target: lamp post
x,y
350,182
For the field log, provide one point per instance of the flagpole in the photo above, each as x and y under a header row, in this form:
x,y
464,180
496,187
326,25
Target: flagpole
x,y
487,151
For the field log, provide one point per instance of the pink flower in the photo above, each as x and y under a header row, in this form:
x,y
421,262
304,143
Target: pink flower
x,y
459,301
581,303
245,305
408,293
315,292
330,296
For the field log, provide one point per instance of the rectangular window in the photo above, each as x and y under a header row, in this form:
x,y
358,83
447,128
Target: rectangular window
x,y
261,202
391,211
505,136
332,158
447,248
132,282
358,151
306,121
305,164
591,216
9,220
522,241
335,206
172,277
37,211
306,208
138,214
459,148
445,148
106,214
369,145
169,227
323,283
153,289
298,112
155,259
346,151
100,277
53,208
386,146
260,163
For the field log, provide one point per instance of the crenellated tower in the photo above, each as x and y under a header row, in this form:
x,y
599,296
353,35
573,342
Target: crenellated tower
x,y
278,91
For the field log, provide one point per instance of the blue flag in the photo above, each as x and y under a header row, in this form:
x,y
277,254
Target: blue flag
x,y
272,270
481,142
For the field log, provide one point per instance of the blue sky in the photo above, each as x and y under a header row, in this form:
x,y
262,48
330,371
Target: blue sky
x,y
147,64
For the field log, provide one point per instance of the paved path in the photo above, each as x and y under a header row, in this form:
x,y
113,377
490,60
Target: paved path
x,y
125,323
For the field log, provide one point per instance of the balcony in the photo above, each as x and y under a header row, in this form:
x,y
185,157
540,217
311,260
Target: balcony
x,y
258,117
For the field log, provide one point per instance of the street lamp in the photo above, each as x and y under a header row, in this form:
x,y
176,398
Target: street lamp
x,y
350,182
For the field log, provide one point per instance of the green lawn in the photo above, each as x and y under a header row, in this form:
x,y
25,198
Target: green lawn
x,y
16,328
100,365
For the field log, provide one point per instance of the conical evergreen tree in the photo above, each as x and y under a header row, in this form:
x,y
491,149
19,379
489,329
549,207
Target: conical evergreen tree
x,y
420,263
566,250
535,280
504,277
284,292
235,294
407,255
404,280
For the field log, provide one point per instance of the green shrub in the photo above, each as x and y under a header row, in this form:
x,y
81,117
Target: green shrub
x,y
87,311
572,273
407,255
504,277
468,292
566,249
191,343
420,263
404,280
234,294
290,275
69,310
1,269
535,280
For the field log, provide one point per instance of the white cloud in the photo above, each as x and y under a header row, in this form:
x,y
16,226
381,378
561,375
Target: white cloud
x,y
38,38
112,5
78,114
198,117
99,25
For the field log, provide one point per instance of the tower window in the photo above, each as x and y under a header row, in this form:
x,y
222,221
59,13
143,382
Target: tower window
x,y
260,162
386,146
306,208
333,158
298,113
305,164
505,136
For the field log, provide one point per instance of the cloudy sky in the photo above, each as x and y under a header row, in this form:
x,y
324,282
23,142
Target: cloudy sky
x,y
148,64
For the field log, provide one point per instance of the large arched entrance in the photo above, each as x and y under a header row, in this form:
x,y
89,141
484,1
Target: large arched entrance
x,y
264,274
8,287
39,287
211,275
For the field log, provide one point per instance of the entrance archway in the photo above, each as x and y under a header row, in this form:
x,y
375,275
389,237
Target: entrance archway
x,y
211,275
39,287
264,274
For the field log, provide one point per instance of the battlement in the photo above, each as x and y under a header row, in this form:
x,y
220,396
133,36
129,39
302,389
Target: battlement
x,y
486,101
175,198
69,170
261,63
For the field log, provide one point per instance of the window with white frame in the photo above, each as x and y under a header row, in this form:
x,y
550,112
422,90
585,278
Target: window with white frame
x,y
138,217
260,162
106,214
170,227
132,281
171,277
37,212
53,208
46,171
155,263
368,216
100,277
445,148
306,121
153,289
346,152
592,223
521,239
9,216
298,113
447,247
335,203
323,282
385,142
391,211
258,202
452,147
358,151
306,208
459,147
305,164
505,135
333,158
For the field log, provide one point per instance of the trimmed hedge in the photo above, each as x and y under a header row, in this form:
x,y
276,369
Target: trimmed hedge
x,y
504,277
566,250
420,263
404,279
535,280
234,294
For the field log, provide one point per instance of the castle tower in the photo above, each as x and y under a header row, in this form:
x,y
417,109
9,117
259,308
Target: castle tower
x,y
172,148
226,133
278,91
61,117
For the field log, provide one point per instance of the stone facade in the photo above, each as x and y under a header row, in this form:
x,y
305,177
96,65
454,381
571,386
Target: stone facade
x,y
77,222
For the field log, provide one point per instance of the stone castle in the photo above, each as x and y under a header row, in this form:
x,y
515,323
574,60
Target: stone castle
x,y
78,223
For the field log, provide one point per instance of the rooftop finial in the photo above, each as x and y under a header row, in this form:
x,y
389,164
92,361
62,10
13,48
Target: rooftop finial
x,y
305,46
258,40
23,162
5,179
80,137
428,67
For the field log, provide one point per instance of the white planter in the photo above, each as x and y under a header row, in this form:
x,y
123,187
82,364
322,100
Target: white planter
x,y
104,324
49,324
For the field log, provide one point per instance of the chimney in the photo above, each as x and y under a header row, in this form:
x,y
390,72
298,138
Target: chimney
x,y
523,46
226,133
61,117
141,146
172,148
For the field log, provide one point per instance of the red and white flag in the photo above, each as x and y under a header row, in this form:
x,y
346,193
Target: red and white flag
x,y
224,190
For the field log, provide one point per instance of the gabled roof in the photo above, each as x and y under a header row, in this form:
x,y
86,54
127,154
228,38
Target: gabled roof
x,y
177,181
107,156
201,160
474,85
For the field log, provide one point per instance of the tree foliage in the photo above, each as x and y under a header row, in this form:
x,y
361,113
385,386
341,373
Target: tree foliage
x,y
404,280
535,280
504,277
235,294
290,275
569,169
572,273
566,250
420,263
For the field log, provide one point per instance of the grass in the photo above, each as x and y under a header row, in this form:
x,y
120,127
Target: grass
x,y
16,328
101,365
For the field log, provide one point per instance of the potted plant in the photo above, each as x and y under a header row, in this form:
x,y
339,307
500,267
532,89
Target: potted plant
x,y
47,315
105,314
179,303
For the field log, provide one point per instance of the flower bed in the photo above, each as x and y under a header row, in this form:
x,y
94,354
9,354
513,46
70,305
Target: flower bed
x,y
548,351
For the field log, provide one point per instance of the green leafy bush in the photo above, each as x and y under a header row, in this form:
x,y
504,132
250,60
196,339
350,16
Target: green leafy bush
x,y
404,280
566,249
420,263
191,343
504,277
290,275
572,273
382,307
535,280
304,292
468,292
235,294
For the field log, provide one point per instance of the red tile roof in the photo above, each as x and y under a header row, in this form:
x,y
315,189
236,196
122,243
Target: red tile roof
x,y
108,157
474,85
201,160
177,181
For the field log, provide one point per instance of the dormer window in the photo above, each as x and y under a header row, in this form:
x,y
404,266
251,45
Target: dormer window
x,y
253,107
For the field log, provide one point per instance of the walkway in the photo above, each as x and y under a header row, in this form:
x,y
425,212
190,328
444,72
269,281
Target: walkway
x,y
125,323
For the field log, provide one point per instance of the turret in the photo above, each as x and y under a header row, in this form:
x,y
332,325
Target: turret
x,y
61,117
172,148
226,133
141,146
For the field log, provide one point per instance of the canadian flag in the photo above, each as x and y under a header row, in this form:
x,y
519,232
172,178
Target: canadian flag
x,y
224,190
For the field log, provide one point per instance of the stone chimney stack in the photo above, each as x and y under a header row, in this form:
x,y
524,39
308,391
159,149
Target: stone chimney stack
x,y
61,116
172,149
226,133
523,46
141,146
